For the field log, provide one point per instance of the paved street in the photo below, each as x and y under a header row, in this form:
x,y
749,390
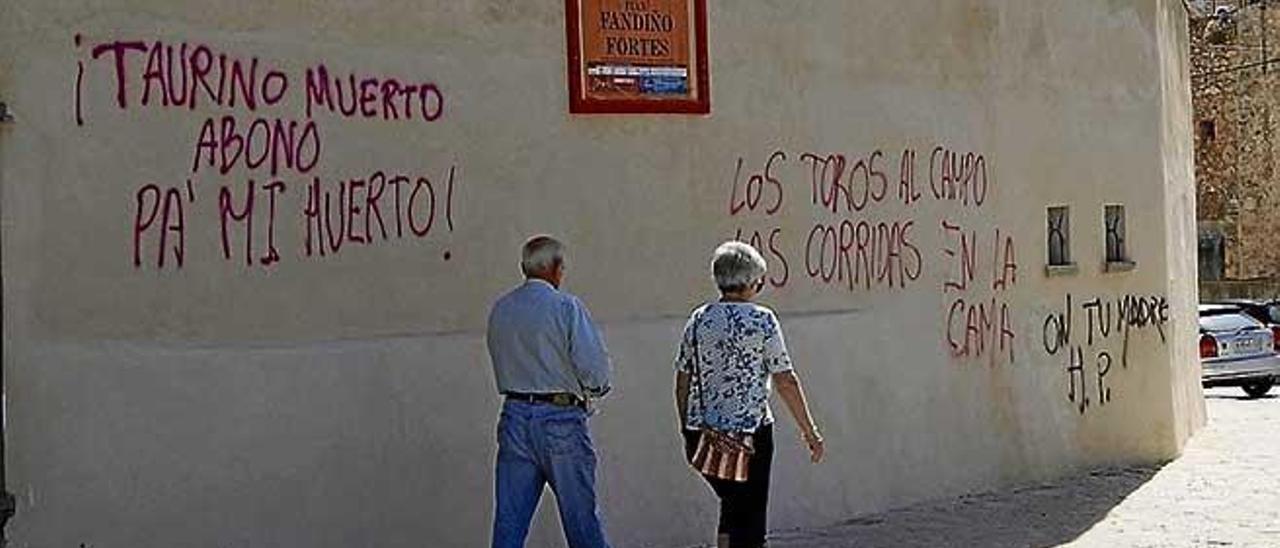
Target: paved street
x,y
1224,491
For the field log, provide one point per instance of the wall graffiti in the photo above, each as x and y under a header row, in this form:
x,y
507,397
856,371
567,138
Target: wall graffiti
x,y
1109,326
979,321
257,161
868,236
870,218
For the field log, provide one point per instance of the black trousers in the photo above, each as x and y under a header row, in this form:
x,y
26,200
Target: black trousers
x,y
744,507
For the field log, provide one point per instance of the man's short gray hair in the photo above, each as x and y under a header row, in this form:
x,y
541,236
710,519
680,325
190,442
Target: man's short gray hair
x,y
541,254
737,265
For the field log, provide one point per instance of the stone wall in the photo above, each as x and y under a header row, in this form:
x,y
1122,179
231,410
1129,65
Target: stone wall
x,y
1235,97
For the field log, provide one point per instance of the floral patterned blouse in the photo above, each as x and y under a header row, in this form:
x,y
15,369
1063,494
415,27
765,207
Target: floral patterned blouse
x,y
738,345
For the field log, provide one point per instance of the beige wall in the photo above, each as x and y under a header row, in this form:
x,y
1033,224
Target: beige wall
x,y
346,399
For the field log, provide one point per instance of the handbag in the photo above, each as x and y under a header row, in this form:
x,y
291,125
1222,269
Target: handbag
x,y
719,454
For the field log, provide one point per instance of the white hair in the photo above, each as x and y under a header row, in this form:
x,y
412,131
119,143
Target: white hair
x,y
737,265
541,254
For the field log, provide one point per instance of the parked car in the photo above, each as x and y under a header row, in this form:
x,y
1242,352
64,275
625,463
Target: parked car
x,y
1238,350
1265,311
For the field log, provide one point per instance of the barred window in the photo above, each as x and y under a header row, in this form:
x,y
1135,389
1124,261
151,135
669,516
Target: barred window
x,y
1117,248
1059,236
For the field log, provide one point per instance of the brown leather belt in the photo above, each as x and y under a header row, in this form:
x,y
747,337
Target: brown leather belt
x,y
561,399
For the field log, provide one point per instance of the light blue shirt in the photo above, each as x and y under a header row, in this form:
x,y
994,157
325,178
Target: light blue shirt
x,y
542,340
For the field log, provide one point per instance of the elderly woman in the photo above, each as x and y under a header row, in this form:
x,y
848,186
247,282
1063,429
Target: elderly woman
x,y
730,356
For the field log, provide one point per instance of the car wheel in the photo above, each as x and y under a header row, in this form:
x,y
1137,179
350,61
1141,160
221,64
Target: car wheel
x,y
1258,389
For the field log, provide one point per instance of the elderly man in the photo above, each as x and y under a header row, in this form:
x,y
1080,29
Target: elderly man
x,y
548,360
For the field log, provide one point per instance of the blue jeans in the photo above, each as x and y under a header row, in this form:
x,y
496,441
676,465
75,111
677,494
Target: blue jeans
x,y
540,443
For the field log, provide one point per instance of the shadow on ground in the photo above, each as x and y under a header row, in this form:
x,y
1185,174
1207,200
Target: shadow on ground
x,y
1040,516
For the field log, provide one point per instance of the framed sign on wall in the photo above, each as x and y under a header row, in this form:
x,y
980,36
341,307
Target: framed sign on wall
x,y
638,56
